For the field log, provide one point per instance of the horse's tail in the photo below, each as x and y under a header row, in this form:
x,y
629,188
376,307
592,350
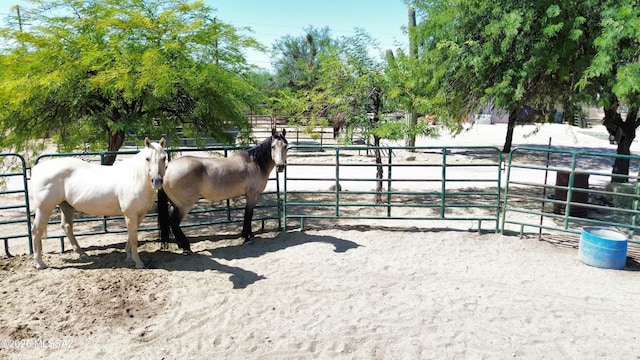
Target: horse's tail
x,y
163,217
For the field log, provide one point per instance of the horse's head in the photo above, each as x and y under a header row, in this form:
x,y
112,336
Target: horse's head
x,y
156,159
279,146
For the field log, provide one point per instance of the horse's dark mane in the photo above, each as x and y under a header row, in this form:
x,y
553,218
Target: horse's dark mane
x,y
261,153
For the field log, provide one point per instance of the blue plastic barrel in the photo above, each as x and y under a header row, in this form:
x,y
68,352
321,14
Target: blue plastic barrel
x,y
603,247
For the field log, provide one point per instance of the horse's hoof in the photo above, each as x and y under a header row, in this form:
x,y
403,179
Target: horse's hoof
x,y
41,266
140,266
84,256
129,259
248,242
187,252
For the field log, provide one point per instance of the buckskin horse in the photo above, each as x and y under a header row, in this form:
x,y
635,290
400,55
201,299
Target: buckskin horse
x,y
244,173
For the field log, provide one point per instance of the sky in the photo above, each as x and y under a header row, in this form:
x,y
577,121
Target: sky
x,y
270,20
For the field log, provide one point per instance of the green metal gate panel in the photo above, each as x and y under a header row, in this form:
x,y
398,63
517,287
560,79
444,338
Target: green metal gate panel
x,y
561,191
15,222
454,183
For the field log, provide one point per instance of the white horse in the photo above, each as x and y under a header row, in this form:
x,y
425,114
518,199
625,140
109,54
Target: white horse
x,y
126,188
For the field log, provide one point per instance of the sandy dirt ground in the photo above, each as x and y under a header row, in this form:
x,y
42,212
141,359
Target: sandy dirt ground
x,y
411,290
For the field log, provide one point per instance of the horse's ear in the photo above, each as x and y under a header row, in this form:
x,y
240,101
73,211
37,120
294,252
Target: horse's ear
x,y
147,142
284,132
162,142
273,131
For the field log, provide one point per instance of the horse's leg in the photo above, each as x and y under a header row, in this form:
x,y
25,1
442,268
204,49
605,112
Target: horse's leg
x,y
66,220
163,219
38,230
247,234
131,249
127,250
176,217
127,246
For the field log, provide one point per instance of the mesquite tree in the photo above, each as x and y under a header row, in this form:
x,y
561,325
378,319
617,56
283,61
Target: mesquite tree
x,y
356,83
96,72
543,54
615,71
509,54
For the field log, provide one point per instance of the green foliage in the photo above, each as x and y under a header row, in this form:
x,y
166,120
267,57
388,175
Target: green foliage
x,y
614,68
503,53
351,82
318,78
398,130
91,73
298,58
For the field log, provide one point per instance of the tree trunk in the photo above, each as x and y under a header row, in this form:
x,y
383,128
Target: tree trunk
x,y
412,122
627,128
116,139
612,119
508,142
412,119
622,132
379,171
518,114
376,103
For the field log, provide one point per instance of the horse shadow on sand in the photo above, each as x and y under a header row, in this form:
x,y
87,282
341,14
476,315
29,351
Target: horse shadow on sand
x,y
260,247
113,257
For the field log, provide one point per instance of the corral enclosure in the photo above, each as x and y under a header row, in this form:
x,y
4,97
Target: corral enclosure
x,y
558,190
361,284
